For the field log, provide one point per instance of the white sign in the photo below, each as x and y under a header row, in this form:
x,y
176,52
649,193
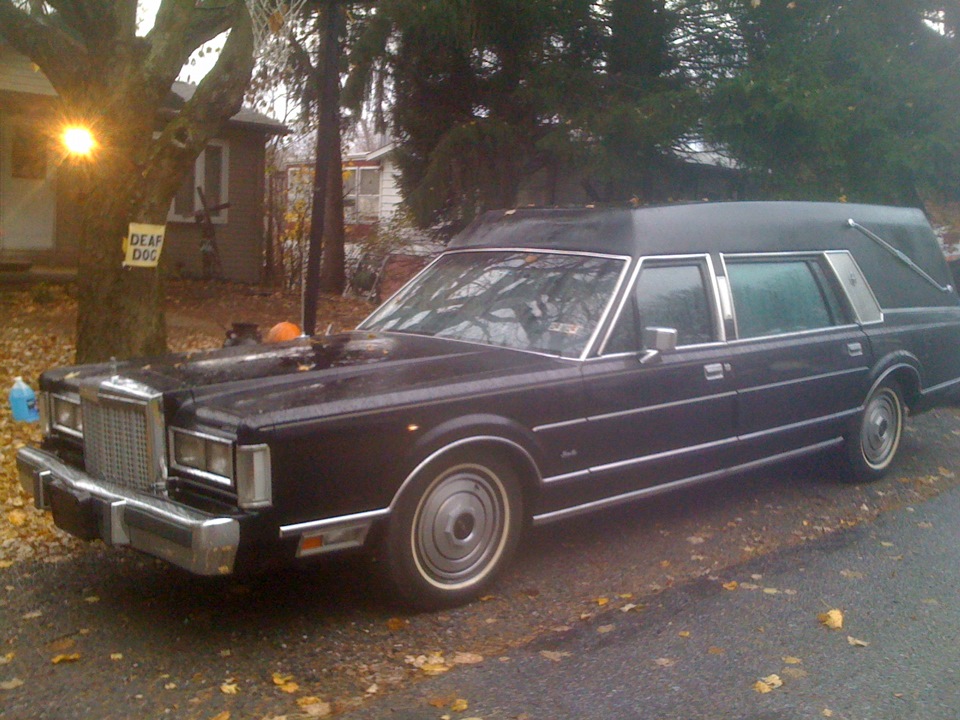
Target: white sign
x,y
142,245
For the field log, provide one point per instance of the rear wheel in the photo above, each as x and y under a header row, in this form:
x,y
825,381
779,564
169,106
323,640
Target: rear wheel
x,y
453,529
873,445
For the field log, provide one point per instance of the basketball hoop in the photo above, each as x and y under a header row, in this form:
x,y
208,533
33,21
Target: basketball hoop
x,y
269,18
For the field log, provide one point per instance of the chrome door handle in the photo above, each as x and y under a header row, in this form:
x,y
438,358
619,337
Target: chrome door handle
x,y
854,349
713,371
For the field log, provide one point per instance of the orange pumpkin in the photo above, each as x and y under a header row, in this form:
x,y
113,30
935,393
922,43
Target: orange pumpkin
x,y
283,331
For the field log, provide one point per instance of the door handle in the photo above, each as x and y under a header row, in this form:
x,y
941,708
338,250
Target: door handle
x,y
854,349
713,371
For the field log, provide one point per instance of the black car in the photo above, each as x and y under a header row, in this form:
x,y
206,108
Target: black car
x,y
549,363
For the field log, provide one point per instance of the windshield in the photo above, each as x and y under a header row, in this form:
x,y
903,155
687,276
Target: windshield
x,y
546,302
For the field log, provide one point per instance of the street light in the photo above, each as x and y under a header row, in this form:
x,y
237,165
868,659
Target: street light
x,y
78,140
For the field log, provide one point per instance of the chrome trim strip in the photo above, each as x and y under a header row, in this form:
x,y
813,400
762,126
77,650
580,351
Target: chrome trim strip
x,y
663,406
807,378
566,476
571,511
940,386
802,424
459,443
563,423
663,455
362,518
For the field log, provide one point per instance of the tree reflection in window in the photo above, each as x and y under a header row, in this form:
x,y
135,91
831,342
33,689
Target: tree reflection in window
x,y
546,302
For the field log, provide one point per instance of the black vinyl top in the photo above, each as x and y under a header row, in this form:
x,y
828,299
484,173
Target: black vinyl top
x,y
735,227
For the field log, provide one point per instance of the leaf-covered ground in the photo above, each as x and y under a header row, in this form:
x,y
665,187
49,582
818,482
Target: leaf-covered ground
x,y
37,332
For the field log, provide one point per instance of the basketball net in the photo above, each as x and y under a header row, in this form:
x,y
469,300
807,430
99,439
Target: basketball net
x,y
269,18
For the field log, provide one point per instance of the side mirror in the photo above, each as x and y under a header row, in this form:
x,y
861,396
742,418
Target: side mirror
x,y
657,340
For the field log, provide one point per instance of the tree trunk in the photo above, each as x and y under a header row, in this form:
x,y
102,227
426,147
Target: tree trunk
x,y
328,130
332,271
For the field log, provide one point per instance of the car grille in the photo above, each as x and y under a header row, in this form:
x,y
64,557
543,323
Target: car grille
x,y
116,446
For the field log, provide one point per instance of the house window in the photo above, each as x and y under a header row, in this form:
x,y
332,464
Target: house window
x,y
209,172
28,154
362,194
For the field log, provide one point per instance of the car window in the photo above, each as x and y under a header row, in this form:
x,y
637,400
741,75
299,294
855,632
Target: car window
x,y
547,302
774,297
670,296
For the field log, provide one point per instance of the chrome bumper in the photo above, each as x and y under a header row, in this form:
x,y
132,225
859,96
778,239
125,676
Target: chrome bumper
x,y
199,542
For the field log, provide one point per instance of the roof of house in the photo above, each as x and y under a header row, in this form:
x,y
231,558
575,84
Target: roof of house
x,y
181,92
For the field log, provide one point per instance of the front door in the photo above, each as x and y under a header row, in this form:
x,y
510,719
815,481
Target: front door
x,y
27,186
654,418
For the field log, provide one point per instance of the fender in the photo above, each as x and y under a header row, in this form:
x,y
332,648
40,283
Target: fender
x,y
901,360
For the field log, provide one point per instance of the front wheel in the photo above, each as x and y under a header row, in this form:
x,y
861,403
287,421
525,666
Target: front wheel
x,y
873,445
453,529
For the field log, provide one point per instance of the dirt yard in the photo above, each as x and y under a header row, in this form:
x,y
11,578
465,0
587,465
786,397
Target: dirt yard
x,y
37,324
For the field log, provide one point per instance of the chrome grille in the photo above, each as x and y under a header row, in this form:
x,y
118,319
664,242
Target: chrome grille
x,y
116,445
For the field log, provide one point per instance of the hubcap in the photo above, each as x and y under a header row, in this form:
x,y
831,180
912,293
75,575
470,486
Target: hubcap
x,y
880,433
460,525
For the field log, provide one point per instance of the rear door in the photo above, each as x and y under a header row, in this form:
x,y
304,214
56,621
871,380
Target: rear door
x,y
800,359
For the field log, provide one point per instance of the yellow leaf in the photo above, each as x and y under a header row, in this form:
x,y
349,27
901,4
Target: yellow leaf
x,y
466,658
625,596
4,564
603,629
225,715
116,656
17,517
91,599
732,585
11,684
4,659
229,688
72,657
790,660
459,705
290,687
833,619
768,684
281,679
601,601
684,633
434,668
308,700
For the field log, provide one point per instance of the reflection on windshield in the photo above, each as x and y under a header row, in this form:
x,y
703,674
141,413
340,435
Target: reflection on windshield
x,y
528,301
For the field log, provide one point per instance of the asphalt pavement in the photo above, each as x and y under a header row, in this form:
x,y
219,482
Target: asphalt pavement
x,y
699,649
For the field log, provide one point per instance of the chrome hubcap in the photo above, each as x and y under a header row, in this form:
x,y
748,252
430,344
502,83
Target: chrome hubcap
x,y
880,432
460,525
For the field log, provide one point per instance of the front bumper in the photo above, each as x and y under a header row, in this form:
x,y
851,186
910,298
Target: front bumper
x,y
202,543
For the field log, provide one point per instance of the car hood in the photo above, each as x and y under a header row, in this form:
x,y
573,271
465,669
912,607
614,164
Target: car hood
x,y
308,379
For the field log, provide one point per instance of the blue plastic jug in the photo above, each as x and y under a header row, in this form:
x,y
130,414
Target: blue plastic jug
x,y
23,402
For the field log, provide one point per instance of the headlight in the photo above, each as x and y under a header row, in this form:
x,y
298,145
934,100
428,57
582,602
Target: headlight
x,y
210,456
66,414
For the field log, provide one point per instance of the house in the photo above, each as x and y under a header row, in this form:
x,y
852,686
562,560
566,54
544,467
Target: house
x,y
35,210
371,191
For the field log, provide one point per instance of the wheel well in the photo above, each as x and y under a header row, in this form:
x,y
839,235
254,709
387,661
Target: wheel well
x,y
909,382
506,451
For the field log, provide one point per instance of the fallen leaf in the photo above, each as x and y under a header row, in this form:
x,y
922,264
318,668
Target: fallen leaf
x,y
553,655
459,705
714,650
771,591
790,660
5,659
17,518
281,679
11,684
225,715
91,599
732,585
397,624
31,615
827,712
833,619
170,686
314,706
601,601
229,688
665,662
373,689
855,642
695,540
886,544
62,645
466,658
684,633
851,574
768,684
603,629
66,658
437,702
628,607
625,596
434,668
116,656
